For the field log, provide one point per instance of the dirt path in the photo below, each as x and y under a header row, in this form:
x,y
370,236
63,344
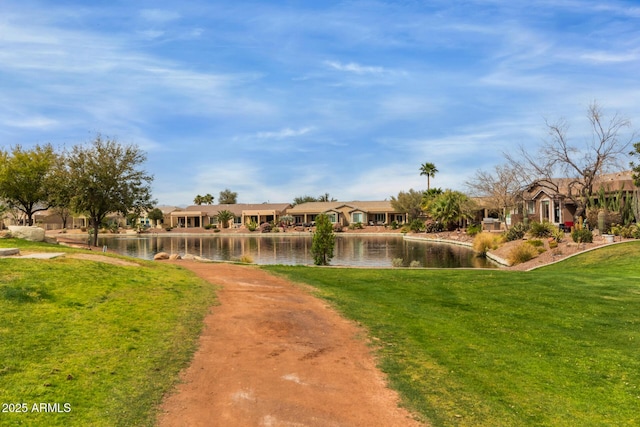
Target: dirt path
x,y
272,355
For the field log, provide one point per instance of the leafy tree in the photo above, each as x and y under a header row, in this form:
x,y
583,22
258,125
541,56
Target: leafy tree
x,y
582,163
107,179
155,215
450,208
323,241
304,199
428,169
228,197
25,179
224,217
408,202
62,190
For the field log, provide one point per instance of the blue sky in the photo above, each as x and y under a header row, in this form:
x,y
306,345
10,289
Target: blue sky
x,y
277,99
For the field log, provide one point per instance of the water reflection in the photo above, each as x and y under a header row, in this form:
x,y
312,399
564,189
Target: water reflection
x,y
361,251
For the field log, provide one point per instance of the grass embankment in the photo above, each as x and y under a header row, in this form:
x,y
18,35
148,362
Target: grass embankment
x,y
105,340
556,346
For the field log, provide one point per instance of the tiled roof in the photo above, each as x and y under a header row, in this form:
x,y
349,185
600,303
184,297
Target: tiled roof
x,y
365,206
610,182
238,208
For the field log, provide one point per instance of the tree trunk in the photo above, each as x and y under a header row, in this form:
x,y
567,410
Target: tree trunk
x,y
95,222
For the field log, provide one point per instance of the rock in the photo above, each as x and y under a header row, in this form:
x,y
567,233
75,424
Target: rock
x,y
35,234
161,256
9,251
189,257
174,257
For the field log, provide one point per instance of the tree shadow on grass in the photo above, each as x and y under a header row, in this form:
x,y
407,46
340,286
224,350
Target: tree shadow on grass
x,y
24,294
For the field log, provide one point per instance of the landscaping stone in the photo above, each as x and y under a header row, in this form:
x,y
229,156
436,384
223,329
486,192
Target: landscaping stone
x,y
34,234
174,257
9,251
161,256
44,255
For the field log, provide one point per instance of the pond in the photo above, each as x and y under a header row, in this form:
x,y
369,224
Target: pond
x,y
355,251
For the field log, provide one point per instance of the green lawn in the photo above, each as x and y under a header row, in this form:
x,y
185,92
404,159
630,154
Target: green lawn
x,y
105,340
558,346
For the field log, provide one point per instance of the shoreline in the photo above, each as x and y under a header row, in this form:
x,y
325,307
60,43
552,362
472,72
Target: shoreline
x,y
448,238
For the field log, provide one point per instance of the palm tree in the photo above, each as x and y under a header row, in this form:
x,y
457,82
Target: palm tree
x,y
450,208
428,169
198,200
207,199
224,217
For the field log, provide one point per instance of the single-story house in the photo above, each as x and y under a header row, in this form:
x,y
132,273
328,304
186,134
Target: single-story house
x,y
345,213
541,203
202,215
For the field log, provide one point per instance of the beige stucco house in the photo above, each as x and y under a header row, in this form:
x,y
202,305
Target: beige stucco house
x,y
203,215
541,203
345,213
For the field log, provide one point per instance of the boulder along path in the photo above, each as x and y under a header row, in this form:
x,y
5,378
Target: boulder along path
x,y
273,355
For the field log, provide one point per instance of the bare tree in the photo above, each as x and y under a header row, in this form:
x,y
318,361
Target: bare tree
x,y
578,165
501,188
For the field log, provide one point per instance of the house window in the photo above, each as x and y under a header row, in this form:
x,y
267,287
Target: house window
x,y
237,220
545,215
531,207
356,217
333,217
379,218
556,212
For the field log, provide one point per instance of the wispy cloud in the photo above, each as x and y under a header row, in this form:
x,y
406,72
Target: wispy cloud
x,y
275,101
284,133
353,67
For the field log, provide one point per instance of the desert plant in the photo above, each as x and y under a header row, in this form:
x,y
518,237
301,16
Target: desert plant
x,y
474,229
265,228
516,232
535,243
397,262
522,253
394,225
541,229
417,225
287,219
252,225
483,242
246,259
557,235
582,235
431,226
608,217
